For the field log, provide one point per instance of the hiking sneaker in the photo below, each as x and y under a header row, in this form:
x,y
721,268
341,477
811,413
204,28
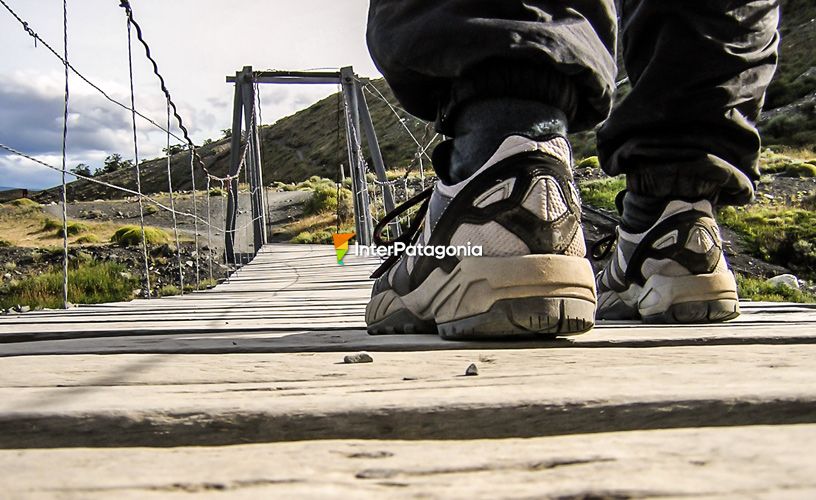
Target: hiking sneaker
x,y
675,272
523,211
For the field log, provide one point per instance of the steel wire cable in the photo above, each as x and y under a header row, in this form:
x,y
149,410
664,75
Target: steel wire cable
x,y
136,156
105,184
64,166
173,206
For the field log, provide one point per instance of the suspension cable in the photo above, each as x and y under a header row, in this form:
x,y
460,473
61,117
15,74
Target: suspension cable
x,y
173,206
64,166
195,213
138,168
196,158
209,232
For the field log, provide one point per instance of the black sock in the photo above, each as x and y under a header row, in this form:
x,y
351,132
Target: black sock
x,y
641,212
480,127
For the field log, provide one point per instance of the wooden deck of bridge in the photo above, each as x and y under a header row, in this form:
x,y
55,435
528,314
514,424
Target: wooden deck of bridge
x,y
242,389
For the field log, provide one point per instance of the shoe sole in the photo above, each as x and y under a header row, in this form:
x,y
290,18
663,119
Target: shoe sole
x,y
493,297
703,298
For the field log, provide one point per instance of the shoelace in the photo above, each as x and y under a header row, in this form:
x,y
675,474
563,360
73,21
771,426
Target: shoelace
x,y
599,250
410,236
604,246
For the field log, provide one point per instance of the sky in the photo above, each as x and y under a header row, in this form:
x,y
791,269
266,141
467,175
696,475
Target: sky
x,y
197,43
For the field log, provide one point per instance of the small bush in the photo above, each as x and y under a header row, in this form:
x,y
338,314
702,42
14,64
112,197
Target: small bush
x,y
778,235
304,238
206,284
592,162
4,243
316,237
92,283
800,170
217,192
324,200
132,235
151,210
74,228
758,289
51,225
88,239
601,193
25,203
169,291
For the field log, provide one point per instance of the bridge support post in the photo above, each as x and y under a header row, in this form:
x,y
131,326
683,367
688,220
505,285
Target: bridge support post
x,y
243,109
235,161
254,174
376,155
362,206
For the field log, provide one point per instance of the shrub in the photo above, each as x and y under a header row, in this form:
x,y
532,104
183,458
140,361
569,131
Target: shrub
x,y
591,162
304,237
206,284
74,228
87,239
169,291
4,243
601,193
324,200
151,209
779,235
91,283
25,203
51,224
759,289
217,192
132,235
800,170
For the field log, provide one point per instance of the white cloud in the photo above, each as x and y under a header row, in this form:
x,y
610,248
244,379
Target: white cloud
x,y
196,45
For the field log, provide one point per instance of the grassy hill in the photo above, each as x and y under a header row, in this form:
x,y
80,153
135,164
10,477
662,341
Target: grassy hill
x,y
311,142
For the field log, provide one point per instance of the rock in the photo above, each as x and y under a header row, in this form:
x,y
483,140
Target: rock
x,y
472,370
22,309
787,280
360,357
189,263
119,213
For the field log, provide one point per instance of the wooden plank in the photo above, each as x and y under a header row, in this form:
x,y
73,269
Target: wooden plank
x,y
296,297
756,462
169,400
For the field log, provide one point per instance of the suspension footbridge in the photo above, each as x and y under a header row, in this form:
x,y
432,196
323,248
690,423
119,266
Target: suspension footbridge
x,y
254,386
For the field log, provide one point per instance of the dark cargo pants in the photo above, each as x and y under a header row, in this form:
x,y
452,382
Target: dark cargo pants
x,y
698,69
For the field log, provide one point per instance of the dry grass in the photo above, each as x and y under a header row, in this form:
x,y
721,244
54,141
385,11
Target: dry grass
x,y
28,226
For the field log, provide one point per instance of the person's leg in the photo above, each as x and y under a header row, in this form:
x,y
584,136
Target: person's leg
x,y
483,68
686,140
698,70
504,79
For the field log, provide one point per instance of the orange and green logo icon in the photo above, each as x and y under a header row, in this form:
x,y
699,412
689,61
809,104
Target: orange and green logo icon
x,y
341,245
